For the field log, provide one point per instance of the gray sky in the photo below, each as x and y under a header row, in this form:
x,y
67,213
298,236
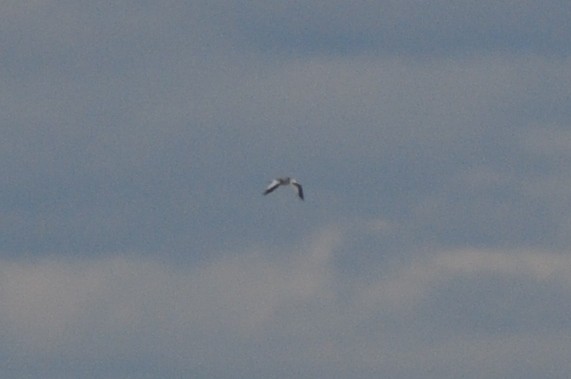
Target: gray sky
x,y
433,141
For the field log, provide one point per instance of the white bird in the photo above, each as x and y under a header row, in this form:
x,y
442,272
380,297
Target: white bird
x,y
284,182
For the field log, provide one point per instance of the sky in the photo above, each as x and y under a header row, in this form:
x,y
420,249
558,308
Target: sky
x,y
432,140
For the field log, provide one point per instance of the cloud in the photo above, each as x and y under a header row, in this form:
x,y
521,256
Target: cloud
x,y
55,307
410,284
267,312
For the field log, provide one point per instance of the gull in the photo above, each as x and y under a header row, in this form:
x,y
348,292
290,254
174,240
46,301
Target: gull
x,y
284,182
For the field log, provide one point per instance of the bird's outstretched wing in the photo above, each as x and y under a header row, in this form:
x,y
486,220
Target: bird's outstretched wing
x,y
273,185
298,189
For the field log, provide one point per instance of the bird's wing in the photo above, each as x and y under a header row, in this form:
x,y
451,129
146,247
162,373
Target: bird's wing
x,y
299,190
273,185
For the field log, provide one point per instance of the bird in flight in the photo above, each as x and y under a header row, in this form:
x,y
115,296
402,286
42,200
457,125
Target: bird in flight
x,y
284,182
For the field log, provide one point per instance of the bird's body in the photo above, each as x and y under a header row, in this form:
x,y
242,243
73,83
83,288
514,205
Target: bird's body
x,y
285,182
